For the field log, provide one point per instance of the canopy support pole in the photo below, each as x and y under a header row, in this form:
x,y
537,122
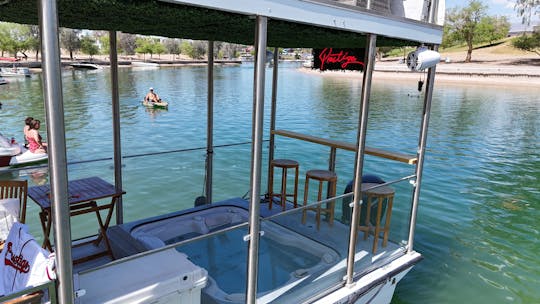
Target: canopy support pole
x,y
359,165
273,111
116,126
54,110
210,124
256,159
421,152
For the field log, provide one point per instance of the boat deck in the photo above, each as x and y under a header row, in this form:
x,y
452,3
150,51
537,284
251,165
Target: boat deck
x,y
334,236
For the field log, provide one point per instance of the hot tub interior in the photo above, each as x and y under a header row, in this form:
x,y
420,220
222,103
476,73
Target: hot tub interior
x,y
285,256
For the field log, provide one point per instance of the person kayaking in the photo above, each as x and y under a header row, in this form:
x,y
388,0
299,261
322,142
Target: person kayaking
x,y
152,97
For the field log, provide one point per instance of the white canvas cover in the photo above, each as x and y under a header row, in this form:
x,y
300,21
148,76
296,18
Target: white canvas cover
x,y
23,263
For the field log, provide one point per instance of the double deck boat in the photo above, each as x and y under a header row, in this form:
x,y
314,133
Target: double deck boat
x,y
267,246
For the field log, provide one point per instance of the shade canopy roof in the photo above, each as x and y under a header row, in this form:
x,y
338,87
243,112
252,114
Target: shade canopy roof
x,y
177,20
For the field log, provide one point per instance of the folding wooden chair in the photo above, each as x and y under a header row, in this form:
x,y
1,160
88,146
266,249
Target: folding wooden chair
x,y
15,189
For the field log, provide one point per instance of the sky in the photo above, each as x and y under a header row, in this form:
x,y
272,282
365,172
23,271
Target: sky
x,y
499,8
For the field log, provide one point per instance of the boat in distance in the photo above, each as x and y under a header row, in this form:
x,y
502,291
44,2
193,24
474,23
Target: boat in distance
x,y
144,64
15,72
85,65
266,245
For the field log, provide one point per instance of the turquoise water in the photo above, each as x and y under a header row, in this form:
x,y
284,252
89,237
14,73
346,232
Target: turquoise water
x,y
477,222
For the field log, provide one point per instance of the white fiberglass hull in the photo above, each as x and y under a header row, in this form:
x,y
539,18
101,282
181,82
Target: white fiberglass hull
x,y
376,287
27,157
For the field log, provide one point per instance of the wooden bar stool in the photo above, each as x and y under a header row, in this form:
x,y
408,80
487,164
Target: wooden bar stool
x,y
384,197
284,164
321,176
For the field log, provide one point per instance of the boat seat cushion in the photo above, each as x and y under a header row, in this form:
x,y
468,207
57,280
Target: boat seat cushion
x,y
150,241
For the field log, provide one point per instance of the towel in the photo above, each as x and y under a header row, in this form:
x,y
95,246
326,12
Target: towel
x,y
9,214
23,263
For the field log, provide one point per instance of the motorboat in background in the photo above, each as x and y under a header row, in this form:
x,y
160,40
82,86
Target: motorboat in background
x,y
144,64
15,154
15,72
86,65
2,81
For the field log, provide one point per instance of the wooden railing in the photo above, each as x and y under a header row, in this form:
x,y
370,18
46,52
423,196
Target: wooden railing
x,y
336,144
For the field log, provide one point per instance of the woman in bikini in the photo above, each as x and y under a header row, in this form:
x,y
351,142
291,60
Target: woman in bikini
x,y
27,122
35,145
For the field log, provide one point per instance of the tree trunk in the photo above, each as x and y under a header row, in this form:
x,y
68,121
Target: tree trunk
x,y
469,52
71,55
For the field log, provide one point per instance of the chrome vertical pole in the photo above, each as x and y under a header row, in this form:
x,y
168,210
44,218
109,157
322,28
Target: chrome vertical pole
x,y
210,123
54,110
116,125
256,159
273,110
433,11
421,152
359,165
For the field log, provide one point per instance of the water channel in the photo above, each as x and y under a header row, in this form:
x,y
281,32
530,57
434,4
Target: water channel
x,y
479,207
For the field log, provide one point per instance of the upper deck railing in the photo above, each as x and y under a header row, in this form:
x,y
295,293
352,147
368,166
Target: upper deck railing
x,y
431,11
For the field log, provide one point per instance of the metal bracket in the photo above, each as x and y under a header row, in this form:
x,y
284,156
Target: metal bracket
x,y
247,237
413,182
351,204
80,293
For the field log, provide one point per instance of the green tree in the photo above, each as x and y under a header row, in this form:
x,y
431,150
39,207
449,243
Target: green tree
x,y
463,23
149,46
14,38
88,46
491,29
158,48
69,40
187,49
529,43
4,38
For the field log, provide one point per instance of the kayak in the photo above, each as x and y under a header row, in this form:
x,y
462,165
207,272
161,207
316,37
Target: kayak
x,y
161,104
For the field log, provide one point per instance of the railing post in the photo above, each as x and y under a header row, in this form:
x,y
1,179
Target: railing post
x,y
54,110
273,111
210,124
359,165
116,126
256,159
331,164
421,152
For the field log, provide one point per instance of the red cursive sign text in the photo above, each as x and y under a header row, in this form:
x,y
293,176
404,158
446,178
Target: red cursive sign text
x,y
343,57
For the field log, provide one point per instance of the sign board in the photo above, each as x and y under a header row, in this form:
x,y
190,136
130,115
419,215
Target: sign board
x,y
338,59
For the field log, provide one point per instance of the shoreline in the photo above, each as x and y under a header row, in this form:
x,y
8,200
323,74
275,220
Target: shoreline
x,y
510,76
475,73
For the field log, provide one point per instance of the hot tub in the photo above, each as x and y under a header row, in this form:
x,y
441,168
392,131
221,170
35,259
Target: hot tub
x,y
286,258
